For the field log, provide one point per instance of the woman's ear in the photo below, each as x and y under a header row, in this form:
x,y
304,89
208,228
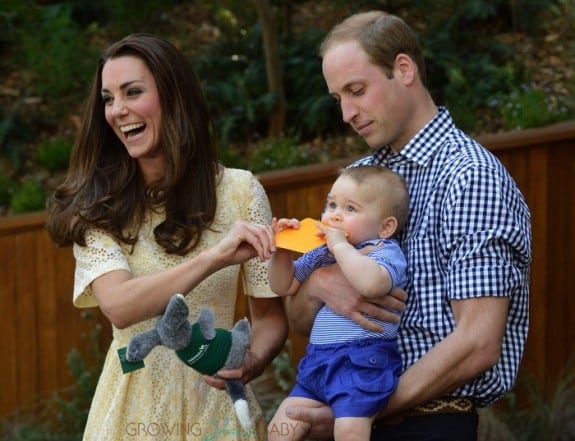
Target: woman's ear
x,y
388,227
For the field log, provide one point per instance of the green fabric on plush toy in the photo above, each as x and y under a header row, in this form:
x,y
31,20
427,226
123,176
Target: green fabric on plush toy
x,y
200,345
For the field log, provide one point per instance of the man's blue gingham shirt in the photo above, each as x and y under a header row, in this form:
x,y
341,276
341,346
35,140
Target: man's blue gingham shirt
x,y
468,235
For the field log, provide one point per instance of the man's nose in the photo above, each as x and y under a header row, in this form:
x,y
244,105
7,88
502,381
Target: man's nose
x,y
348,110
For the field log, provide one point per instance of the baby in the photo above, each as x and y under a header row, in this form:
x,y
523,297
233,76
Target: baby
x,y
346,366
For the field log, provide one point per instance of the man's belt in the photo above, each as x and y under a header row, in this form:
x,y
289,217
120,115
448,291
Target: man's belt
x,y
443,405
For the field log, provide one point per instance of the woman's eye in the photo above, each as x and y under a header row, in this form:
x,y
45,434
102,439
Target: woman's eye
x,y
106,99
134,92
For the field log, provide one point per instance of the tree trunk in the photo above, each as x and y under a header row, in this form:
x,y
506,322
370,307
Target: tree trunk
x,y
273,67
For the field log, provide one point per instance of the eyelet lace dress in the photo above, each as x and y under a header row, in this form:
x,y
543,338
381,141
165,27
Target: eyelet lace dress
x,y
167,400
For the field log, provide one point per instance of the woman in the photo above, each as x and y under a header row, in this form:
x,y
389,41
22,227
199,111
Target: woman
x,y
150,212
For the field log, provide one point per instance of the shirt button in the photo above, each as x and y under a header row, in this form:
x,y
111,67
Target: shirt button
x,y
372,360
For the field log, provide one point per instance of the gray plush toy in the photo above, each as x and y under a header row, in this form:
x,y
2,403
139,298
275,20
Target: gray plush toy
x,y
199,345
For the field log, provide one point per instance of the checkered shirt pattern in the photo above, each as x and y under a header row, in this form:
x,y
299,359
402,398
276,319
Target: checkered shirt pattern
x,y
468,236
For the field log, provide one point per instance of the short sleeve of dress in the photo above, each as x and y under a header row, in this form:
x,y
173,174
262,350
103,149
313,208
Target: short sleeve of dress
x,y
101,255
257,206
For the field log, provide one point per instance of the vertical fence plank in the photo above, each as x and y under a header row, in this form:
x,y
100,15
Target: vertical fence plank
x,y
47,317
26,314
8,336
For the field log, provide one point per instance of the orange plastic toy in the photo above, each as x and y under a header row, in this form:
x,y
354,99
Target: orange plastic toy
x,y
301,240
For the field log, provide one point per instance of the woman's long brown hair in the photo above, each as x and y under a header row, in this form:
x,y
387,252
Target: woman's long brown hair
x,y
103,187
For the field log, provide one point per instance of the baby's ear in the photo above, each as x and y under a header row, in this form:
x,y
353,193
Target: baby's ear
x,y
388,227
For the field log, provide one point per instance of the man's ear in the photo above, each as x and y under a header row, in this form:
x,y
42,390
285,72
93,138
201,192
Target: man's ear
x,y
388,227
406,68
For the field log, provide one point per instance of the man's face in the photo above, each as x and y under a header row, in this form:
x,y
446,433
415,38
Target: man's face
x,y
374,105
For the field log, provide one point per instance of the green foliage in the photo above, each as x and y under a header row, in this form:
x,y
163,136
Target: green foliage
x,y
312,111
6,188
28,196
278,153
14,132
53,47
530,106
284,371
284,375
125,16
55,50
54,154
11,12
234,79
466,65
530,414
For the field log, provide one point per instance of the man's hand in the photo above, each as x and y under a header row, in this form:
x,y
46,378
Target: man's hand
x,y
321,420
330,286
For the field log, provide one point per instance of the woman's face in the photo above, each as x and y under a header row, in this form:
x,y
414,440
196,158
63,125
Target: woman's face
x,y
132,106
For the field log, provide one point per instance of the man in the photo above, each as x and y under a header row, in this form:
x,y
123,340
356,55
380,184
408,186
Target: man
x,y
467,241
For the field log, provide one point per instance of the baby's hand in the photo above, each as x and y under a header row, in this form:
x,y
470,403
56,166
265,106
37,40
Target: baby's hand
x,y
284,223
332,235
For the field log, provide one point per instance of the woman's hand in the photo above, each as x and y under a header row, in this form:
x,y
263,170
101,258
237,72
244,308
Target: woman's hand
x,y
244,241
246,372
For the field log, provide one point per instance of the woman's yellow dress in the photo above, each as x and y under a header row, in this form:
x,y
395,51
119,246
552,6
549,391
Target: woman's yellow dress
x,y
167,400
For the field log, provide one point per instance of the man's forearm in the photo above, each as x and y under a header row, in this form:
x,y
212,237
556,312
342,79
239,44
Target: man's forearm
x,y
469,350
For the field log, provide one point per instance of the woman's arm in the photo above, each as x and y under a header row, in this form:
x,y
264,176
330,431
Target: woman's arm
x,y
126,300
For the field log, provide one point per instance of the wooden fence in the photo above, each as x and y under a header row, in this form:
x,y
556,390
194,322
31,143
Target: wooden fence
x,y
41,325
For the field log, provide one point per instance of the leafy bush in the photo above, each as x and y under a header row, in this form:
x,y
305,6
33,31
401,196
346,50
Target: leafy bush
x,y
234,81
529,106
14,133
274,154
28,196
234,78
466,65
53,47
6,189
54,154
536,416
55,50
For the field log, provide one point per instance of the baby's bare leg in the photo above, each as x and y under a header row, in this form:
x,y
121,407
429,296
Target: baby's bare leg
x,y
353,428
283,428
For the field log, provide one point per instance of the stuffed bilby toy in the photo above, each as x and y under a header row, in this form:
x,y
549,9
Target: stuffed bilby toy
x,y
199,345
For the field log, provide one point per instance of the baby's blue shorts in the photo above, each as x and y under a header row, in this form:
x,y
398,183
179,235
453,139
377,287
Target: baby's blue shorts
x,y
355,378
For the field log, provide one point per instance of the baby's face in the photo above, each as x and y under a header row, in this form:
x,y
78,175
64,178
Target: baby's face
x,y
355,208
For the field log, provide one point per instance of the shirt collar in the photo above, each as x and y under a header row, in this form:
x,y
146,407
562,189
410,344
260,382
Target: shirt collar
x,y
423,146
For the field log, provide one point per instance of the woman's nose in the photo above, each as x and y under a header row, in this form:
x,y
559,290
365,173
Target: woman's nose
x,y
118,107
